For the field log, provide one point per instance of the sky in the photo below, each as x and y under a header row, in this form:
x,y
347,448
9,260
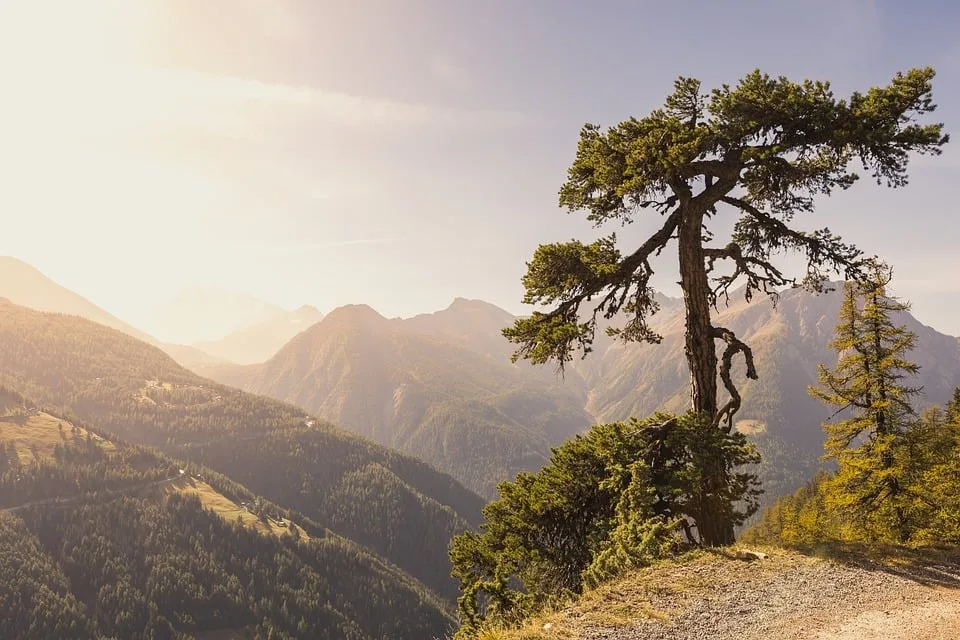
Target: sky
x,y
401,154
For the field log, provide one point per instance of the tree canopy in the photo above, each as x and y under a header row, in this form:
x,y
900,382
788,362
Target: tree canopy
x,y
763,150
609,500
897,478
869,386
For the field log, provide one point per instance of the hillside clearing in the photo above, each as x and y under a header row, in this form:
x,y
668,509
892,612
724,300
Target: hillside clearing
x,y
36,434
787,595
229,510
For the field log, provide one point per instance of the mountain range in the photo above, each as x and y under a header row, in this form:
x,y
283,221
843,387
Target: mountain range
x,y
395,507
440,386
418,386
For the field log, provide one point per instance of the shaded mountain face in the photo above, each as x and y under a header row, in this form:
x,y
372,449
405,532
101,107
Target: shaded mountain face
x,y
396,506
259,342
434,387
209,314
24,285
102,539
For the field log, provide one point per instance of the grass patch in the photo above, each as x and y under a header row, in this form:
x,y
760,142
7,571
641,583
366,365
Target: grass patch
x,y
36,435
229,510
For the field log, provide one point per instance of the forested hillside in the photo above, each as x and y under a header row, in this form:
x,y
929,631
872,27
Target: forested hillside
x,y
131,389
415,388
99,539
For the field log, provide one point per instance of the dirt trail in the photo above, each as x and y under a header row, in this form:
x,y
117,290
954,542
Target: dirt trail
x,y
786,596
809,599
938,619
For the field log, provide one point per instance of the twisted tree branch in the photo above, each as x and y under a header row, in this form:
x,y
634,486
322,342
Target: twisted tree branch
x,y
761,274
734,346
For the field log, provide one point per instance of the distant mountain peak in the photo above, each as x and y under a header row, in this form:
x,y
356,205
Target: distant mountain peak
x,y
354,313
306,309
472,305
208,314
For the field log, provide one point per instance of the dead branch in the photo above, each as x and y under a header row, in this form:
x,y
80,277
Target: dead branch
x,y
734,346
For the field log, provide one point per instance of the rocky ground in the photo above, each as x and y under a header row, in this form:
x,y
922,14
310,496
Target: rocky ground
x,y
782,595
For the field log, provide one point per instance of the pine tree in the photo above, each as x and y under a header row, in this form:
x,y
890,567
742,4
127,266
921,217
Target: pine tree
x,y
763,151
869,381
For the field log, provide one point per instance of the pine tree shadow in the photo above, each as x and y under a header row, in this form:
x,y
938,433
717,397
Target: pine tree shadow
x,y
934,566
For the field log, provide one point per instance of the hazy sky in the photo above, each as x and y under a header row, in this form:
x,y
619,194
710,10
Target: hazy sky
x,y
401,153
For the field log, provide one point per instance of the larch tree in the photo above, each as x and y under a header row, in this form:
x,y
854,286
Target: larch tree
x,y
763,151
869,378
869,384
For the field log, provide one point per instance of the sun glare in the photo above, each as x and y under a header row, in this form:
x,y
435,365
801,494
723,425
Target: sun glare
x,y
42,35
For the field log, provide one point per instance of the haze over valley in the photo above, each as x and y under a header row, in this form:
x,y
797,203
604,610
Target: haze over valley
x,y
426,320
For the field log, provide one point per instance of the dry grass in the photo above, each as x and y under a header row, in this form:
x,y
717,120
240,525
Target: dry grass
x,y
35,436
658,592
229,510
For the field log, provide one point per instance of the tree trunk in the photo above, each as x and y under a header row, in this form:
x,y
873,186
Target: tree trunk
x,y
700,350
714,525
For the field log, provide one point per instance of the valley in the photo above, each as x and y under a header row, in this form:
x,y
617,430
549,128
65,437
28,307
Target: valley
x,y
74,475
539,320
440,386
137,392
484,419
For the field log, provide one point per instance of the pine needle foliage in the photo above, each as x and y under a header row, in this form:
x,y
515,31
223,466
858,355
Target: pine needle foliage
x,y
610,500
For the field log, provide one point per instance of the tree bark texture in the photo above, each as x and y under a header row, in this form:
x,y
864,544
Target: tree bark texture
x,y
714,527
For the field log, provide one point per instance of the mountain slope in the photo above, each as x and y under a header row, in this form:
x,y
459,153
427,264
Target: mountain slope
x,y
122,542
477,417
24,285
258,342
410,383
789,341
137,392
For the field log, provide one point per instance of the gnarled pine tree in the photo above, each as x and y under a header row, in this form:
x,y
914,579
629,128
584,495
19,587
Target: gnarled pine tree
x,y
763,150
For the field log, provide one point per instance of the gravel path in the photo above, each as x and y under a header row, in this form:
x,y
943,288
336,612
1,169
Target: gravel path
x,y
792,597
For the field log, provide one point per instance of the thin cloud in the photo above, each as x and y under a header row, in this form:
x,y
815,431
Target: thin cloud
x,y
123,100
